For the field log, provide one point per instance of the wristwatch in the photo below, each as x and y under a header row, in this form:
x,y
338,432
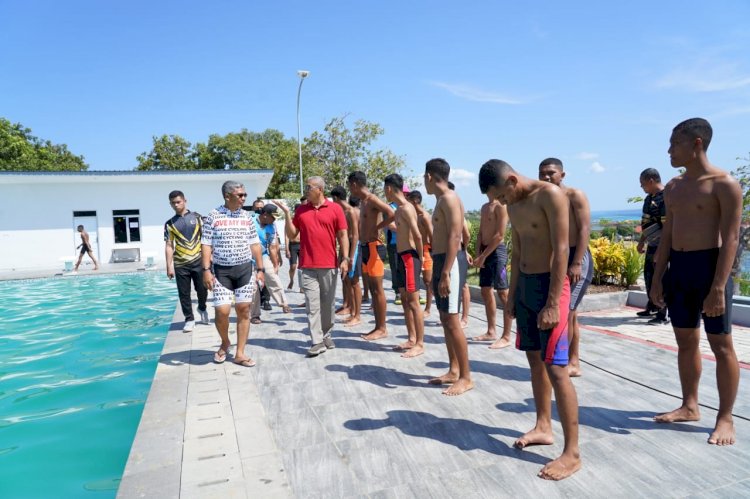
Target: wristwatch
x,y
261,270
207,269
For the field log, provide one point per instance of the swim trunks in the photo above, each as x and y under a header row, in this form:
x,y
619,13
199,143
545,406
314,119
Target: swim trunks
x,y
452,303
233,281
427,257
532,291
85,248
578,290
373,254
355,266
494,274
293,253
408,267
691,274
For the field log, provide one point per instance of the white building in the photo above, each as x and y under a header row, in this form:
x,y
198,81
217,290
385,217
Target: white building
x,y
123,212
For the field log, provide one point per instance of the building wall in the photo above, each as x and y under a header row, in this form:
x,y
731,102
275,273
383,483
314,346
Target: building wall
x,y
36,211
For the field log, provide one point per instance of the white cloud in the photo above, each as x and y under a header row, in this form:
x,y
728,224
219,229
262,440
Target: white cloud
x,y
475,94
596,167
462,178
706,75
587,156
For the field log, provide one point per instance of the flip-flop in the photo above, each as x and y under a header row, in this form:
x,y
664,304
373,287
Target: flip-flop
x,y
220,356
244,362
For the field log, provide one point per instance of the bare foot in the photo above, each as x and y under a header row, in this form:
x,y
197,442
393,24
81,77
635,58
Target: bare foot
x,y
426,312
485,337
560,468
291,284
501,342
343,311
679,415
352,321
464,323
415,351
574,371
375,334
460,386
445,379
534,437
723,433
404,346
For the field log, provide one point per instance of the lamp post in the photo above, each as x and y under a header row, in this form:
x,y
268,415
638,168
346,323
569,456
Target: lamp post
x,y
302,75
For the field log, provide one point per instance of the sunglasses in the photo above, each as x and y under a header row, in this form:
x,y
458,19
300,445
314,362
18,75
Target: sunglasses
x,y
242,195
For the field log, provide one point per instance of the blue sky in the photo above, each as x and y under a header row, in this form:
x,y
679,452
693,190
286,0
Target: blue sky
x,y
599,86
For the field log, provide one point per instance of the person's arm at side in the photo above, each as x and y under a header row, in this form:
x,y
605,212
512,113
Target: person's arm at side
x,y
344,258
415,233
729,194
555,205
427,220
661,258
389,215
355,238
515,268
451,208
169,256
206,252
582,212
497,237
260,272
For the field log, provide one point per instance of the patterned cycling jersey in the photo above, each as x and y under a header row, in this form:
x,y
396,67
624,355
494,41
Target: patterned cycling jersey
x,y
230,234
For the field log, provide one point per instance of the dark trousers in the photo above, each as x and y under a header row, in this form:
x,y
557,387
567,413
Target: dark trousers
x,y
184,275
391,252
648,275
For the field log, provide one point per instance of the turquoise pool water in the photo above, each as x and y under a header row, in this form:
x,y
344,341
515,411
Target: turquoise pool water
x,y
77,356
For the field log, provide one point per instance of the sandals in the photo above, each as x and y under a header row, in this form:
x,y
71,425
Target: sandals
x,y
255,320
244,362
220,356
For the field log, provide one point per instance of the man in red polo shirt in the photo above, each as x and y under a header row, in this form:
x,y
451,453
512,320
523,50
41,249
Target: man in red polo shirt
x,y
319,224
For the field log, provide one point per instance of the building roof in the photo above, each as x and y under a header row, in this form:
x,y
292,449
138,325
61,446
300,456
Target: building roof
x,y
22,177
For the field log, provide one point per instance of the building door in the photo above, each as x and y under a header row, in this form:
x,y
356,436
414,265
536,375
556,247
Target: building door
x,y
88,220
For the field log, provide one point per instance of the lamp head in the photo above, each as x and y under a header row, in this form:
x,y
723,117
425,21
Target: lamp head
x,y
303,73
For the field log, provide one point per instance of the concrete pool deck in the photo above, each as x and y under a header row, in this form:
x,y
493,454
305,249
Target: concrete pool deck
x,y
360,421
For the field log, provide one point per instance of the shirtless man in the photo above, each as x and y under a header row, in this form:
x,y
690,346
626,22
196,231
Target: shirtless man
x,y
447,222
539,299
493,275
374,216
351,290
699,241
424,222
580,261
409,251
85,248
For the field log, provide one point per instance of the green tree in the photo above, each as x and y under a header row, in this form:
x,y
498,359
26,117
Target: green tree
x,y
338,150
22,151
169,152
742,174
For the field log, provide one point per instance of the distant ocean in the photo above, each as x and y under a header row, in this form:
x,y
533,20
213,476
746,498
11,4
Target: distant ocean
x,y
616,215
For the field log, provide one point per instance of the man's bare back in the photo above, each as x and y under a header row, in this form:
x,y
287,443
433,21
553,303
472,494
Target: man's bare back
x,y
494,218
406,219
441,220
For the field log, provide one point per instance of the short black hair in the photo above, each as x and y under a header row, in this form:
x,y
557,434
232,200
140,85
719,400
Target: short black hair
x,y
395,181
438,168
258,200
492,172
696,128
651,174
176,194
354,201
551,161
339,192
451,186
359,177
415,196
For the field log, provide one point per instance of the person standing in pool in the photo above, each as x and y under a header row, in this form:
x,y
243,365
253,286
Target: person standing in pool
x,y
699,241
85,248
539,298
182,250
580,261
229,246
449,274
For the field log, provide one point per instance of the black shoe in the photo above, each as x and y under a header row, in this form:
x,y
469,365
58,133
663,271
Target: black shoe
x,y
658,321
266,305
646,313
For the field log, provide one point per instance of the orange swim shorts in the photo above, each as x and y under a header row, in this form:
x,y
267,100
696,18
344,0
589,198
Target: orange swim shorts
x,y
373,254
426,257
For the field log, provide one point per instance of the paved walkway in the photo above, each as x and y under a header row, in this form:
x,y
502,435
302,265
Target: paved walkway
x,y
360,421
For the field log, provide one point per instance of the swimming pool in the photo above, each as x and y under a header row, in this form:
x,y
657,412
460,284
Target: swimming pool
x,y
77,356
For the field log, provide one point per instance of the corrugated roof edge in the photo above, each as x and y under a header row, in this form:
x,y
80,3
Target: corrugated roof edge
x,y
134,172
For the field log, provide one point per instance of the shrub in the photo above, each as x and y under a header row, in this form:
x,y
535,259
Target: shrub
x,y
633,266
609,260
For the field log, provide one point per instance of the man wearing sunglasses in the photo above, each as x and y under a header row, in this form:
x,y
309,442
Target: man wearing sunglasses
x,y
229,245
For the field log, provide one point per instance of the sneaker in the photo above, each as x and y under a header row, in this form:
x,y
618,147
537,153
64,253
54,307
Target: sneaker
x,y
317,349
188,327
658,321
204,316
328,342
422,301
397,301
266,305
645,313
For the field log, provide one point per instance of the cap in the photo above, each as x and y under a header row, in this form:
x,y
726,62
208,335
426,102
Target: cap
x,y
405,188
269,209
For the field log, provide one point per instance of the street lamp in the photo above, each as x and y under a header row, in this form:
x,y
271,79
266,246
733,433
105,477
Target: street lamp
x,y
302,75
